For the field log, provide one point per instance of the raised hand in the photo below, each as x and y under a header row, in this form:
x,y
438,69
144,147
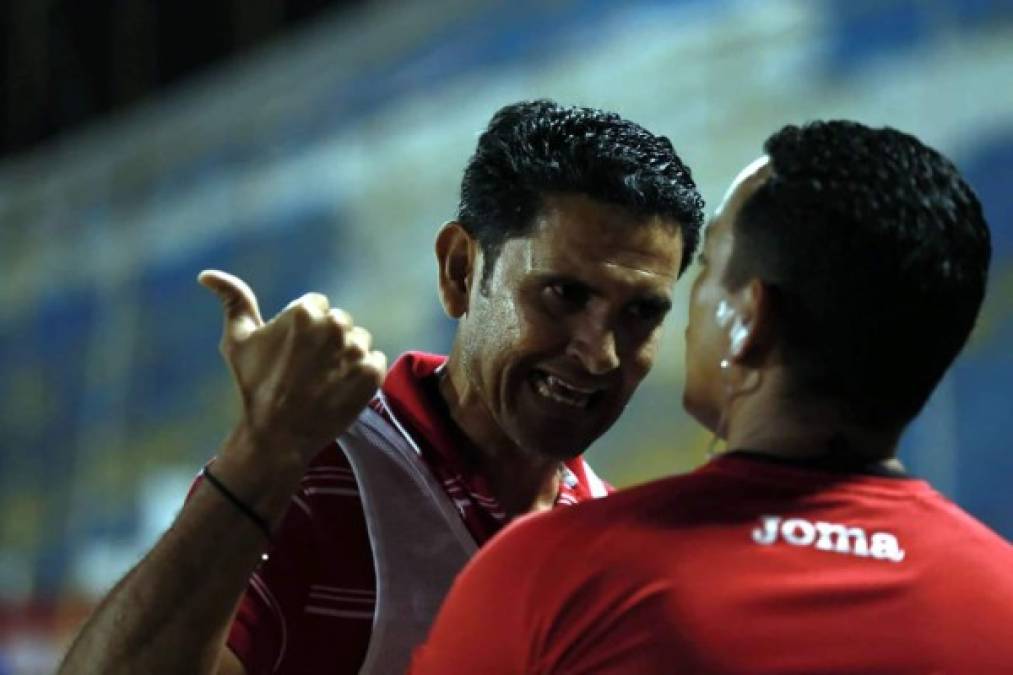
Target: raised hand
x,y
304,376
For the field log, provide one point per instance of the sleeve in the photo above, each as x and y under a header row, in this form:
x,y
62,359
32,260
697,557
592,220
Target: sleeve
x,y
487,623
254,636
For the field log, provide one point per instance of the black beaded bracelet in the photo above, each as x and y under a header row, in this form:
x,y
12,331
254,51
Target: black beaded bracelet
x,y
237,502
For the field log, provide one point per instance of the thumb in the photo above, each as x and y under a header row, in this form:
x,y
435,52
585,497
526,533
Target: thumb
x,y
242,315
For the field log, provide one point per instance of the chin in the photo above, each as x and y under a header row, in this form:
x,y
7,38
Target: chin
x,y
558,455
706,415
559,447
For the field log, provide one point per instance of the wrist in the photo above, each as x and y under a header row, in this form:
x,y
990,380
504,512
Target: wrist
x,y
259,472
251,514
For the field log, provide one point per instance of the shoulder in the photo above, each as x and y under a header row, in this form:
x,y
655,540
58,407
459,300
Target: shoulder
x,y
629,504
966,535
598,533
579,527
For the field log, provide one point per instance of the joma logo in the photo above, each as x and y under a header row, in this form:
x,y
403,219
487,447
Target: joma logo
x,y
828,537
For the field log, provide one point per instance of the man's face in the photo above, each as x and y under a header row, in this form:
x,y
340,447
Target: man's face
x,y
570,324
707,343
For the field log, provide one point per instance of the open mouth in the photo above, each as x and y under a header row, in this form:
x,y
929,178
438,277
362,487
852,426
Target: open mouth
x,y
558,390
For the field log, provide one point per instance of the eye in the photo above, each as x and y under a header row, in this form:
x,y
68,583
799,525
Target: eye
x,y
649,311
567,295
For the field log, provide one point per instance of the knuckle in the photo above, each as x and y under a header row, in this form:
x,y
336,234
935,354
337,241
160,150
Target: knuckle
x,y
371,373
358,339
302,313
226,347
377,362
318,299
337,334
363,336
339,331
374,376
355,351
341,318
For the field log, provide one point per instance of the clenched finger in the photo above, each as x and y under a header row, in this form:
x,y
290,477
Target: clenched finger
x,y
309,309
370,367
356,383
358,344
376,364
341,319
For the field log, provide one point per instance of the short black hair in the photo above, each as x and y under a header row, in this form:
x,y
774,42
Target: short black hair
x,y
877,254
533,148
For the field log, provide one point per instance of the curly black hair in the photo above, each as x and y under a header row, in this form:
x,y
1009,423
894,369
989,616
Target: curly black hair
x,y
533,148
877,253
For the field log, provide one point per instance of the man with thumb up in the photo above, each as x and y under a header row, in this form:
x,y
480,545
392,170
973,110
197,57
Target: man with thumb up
x,y
326,531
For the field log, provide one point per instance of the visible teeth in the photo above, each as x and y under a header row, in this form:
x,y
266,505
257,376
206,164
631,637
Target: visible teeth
x,y
556,382
554,389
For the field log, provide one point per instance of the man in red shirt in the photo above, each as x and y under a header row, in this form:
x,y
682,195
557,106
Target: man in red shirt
x,y
840,277
299,554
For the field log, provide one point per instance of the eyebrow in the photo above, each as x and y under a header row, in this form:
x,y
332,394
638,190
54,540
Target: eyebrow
x,y
657,300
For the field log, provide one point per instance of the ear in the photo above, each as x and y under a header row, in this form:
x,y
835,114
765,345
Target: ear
x,y
750,337
456,257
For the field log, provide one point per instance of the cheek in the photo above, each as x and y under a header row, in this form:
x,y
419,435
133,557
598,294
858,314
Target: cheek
x,y
641,358
702,350
702,344
702,327
503,331
535,329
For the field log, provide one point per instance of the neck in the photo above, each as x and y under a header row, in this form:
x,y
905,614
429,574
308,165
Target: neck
x,y
521,481
764,422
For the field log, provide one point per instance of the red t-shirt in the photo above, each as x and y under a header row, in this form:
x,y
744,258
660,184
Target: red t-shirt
x,y
309,607
743,566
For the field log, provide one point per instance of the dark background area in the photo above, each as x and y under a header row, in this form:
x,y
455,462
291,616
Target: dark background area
x,y
64,63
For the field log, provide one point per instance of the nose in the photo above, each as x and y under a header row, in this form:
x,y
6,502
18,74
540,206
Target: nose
x,y
593,343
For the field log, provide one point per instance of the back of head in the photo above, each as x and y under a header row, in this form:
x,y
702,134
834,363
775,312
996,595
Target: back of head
x,y
534,148
877,254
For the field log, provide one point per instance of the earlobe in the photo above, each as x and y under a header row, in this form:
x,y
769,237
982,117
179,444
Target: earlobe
x,y
749,336
730,318
456,257
738,336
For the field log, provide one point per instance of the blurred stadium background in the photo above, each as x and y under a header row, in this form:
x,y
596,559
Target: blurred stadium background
x,y
319,145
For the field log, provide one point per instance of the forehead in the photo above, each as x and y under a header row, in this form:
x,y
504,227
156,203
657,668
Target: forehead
x,y
574,229
748,180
